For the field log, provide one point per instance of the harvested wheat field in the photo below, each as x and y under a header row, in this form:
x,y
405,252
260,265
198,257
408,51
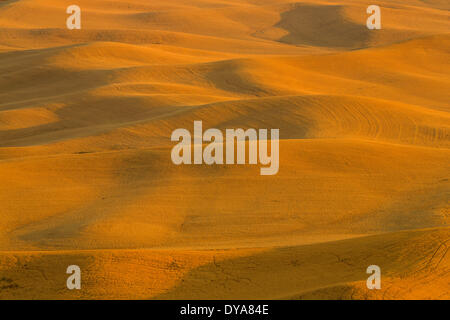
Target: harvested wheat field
x,y
86,176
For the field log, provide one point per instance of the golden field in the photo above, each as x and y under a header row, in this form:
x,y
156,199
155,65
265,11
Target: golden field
x,y
86,176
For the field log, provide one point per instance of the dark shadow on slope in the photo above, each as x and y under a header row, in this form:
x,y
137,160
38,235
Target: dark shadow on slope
x,y
322,26
299,271
6,2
